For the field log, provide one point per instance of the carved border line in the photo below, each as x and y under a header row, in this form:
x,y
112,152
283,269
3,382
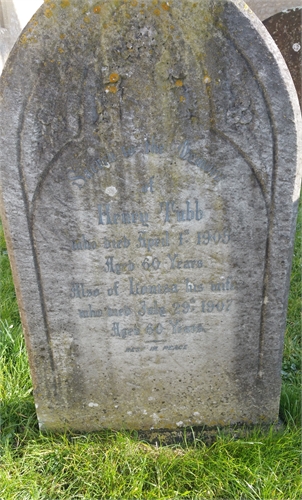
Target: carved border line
x,y
26,202
271,207
30,211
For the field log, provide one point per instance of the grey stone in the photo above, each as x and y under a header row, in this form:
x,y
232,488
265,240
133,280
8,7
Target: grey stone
x,y
267,8
9,29
14,15
149,168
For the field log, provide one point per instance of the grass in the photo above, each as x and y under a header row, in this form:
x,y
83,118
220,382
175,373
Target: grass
x,y
117,465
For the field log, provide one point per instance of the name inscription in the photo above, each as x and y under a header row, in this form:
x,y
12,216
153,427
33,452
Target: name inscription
x,y
106,215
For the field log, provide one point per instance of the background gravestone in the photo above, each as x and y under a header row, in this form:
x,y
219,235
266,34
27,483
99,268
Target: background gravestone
x,y
149,190
267,8
286,30
14,15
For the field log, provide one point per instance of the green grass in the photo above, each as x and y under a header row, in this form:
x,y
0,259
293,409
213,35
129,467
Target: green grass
x,y
117,465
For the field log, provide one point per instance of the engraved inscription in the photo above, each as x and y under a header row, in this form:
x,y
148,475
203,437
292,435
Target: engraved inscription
x,y
211,306
151,310
177,327
108,217
163,259
79,178
184,264
78,290
90,313
188,214
83,244
145,242
123,333
206,237
137,289
118,267
121,243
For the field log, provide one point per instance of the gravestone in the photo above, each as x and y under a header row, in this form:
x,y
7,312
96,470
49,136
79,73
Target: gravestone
x,y
149,177
286,29
9,29
267,8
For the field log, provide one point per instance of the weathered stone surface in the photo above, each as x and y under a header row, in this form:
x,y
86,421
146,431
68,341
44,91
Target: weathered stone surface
x,y
286,30
15,14
149,187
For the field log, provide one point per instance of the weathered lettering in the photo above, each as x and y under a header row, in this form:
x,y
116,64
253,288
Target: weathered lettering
x,y
137,289
79,290
184,264
170,211
124,332
90,312
108,217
